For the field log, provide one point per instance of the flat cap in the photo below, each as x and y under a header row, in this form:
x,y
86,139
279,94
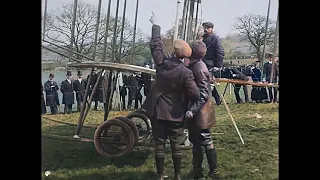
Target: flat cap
x,y
181,48
199,49
208,24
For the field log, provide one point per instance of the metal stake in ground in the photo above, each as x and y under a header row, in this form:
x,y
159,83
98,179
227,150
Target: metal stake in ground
x,y
230,115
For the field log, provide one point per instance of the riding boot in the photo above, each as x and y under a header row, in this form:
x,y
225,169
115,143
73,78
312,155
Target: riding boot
x,y
212,161
197,162
176,158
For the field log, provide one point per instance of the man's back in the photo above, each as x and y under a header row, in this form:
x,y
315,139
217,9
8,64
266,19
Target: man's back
x,y
171,77
215,52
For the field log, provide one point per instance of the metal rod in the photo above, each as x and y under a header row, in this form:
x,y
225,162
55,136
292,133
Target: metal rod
x,y
187,21
196,21
184,19
94,49
44,18
73,25
265,34
191,12
62,47
104,54
176,28
122,29
134,31
115,33
64,55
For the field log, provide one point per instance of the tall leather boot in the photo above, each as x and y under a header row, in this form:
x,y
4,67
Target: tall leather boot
x,y
212,161
159,157
197,162
176,158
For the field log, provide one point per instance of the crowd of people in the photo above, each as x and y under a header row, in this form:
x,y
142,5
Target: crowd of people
x,y
181,97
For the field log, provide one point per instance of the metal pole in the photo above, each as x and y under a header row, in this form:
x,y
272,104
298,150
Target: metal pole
x,y
176,29
94,49
265,34
44,18
73,25
184,19
191,12
122,29
275,41
104,54
187,22
134,31
115,33
196,21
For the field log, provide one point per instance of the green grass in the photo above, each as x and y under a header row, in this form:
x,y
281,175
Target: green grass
x,y
257,159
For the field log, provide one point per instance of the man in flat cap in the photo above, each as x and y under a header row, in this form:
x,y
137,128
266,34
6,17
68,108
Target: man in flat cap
x,y
167,101
215,53
267,68
52,99
67,93
79,86
201,114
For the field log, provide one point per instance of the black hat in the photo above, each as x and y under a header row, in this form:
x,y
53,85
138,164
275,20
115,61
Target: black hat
x,y
51,75
208,24
79,73
271,55
69,73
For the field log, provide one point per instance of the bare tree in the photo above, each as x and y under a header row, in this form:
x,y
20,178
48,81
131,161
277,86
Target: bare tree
x,y
59,31
253,27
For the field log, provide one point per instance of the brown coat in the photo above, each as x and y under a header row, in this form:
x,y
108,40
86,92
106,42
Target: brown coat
x,y
203,108
174,85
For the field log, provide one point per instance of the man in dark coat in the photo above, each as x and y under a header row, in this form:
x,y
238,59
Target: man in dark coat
x,y
52,99
79,86
167,100
258,93
133,88
215,54
267,68
236,74
67,93
43,104
201,114
97,95
123,90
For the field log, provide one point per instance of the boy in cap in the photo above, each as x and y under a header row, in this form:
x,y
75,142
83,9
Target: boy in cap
x,y
52,99
267,68
167,100
201,114
67,93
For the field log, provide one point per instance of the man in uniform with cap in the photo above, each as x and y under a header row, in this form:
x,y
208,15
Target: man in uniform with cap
x,y
201,114
52,99
215,54
267,68
79,86
67,93
167,100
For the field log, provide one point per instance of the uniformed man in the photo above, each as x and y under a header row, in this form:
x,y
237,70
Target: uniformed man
x,y
79,86
215,54
52,99
67,93
258,93
267,68
43,104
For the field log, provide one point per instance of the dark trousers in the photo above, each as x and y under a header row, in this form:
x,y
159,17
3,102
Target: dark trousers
x,y
136,105
237,90
67,108
216,95
273,96
161,130
54,109
79,105
123,101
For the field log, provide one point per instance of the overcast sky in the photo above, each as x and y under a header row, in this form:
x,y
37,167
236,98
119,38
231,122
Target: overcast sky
x,y
221,12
